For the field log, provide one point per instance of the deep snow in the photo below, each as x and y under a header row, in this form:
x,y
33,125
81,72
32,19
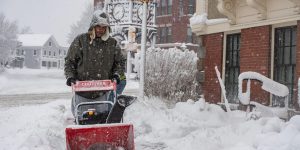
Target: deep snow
x,y
188,126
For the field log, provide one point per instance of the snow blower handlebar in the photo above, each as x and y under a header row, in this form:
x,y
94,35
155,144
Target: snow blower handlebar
x,y
94,85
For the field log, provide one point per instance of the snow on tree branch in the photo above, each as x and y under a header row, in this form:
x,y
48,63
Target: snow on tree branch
x,y
170,74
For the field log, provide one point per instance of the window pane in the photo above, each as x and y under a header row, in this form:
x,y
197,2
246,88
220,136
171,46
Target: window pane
x,y
293,59
289,76
279,56
287,37
287,55
281,74
294,36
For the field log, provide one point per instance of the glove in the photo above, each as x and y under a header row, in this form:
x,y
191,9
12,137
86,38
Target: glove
x,y
116,77
70,81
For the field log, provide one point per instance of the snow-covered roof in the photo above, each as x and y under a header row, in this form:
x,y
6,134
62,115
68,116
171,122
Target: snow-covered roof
x,y
33,39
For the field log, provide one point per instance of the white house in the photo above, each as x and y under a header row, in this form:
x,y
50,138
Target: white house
x,y
39,51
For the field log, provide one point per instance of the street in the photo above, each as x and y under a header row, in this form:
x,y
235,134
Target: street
x,y
33,99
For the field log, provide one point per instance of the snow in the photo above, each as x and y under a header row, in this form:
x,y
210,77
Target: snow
x,y
267,85
33,81
33,39
223,89
191,125
202,19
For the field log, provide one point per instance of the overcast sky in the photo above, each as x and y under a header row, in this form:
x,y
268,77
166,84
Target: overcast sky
x,y
45,16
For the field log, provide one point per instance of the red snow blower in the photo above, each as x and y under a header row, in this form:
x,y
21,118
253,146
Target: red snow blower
x,y
98,123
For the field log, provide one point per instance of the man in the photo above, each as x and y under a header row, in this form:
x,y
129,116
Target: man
x,y
94,56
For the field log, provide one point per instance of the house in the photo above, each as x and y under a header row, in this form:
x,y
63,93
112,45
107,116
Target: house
x,y
249,35
38,51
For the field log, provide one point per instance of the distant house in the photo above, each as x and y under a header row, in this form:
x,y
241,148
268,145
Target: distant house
x,y
38,51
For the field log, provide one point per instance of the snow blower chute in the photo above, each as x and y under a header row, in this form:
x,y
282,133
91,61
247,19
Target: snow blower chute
x,y
98,123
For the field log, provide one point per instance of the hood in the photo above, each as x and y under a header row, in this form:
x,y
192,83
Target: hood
x,y
102,19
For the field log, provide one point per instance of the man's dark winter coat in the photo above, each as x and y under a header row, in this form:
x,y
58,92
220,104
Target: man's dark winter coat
x,y
96,61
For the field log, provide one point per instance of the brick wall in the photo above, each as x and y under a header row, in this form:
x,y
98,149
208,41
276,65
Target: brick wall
x,y
255,55
178,22
213,44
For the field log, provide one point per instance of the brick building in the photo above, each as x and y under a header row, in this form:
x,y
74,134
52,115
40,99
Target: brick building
x,y
260,36
172,20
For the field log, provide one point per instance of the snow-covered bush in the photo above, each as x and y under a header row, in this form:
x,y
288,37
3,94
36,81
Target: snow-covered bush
x,y
170,74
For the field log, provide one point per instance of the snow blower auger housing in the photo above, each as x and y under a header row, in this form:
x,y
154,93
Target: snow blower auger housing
x,y
98,124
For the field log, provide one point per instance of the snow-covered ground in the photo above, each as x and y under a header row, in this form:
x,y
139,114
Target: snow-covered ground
x,y
188,126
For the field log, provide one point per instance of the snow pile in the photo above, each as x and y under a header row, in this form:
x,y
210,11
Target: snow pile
x,y
39,127
25,81
189,125
201,126
202,19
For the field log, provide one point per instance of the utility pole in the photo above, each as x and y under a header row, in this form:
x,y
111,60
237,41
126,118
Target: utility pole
x,y
143,48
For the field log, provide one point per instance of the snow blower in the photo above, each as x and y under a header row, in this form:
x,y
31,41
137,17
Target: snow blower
x,y
98,124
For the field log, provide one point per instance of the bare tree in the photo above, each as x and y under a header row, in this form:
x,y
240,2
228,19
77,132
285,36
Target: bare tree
x,y
8,40
26,30
82,25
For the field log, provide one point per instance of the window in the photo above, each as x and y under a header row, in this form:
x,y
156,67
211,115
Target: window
x,y
54,54
285,62
165,35
169,8
191,7
49,53
23,52
18,52
189,35
50,44
45,53
44,63
54,64
162,35
59,52
34,52
232,67
169,34
158,9
163,7
181,13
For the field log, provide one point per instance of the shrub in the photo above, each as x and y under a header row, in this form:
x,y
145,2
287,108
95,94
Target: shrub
x,y
171,74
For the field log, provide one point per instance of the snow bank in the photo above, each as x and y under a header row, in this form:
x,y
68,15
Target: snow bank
x,y
25,81
202,126
39,127
189,125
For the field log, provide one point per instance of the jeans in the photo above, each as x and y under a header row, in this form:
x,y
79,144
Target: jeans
x,y
119,90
